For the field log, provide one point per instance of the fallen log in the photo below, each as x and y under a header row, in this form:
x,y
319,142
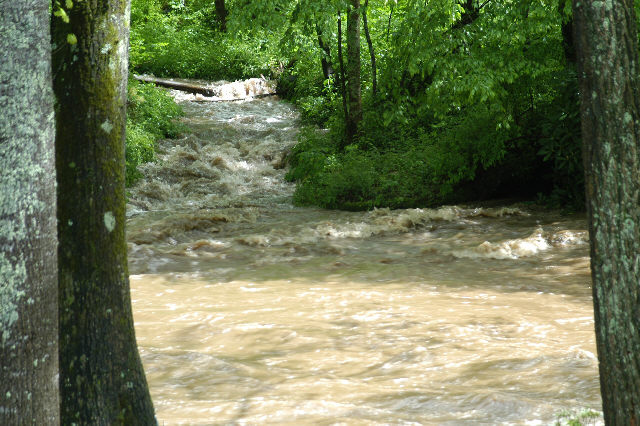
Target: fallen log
x,y
229,92
171,84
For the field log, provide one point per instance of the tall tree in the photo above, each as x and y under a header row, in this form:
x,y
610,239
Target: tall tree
x,y
566,28
221,14
101,375
372,54
354,90
343,86
325,60
28,281
607,49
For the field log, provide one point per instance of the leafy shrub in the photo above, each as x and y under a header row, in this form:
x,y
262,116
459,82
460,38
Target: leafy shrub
x,y
359,179
152,115
153,109
316,109
560,145
583,417
174,40
140,149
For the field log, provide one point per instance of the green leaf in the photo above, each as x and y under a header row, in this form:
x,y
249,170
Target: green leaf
x,y
62,15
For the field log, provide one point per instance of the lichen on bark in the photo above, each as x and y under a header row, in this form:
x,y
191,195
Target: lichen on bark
x,y
607,47
28,285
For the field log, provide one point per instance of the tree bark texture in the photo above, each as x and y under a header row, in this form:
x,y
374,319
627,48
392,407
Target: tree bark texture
x,y
101,375
372,54
353,71
221,14
606,44
28,281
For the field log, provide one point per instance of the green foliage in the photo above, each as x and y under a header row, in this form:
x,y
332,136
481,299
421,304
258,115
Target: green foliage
x,y
152,115
153,109
179,39
584,417
140,149
558,125
358,180
317,110
476,98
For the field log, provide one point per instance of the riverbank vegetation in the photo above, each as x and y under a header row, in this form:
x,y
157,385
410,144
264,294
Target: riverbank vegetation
x,y
151,115
418,104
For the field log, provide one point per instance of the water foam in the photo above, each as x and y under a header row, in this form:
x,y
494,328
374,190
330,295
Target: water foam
x,y
510,249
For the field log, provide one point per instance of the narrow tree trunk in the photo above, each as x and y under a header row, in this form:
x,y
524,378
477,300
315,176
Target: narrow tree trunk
x,y
374,81
343,86
101,376
28,281
353,71
389,23
327,67
221,15
566,28
607,49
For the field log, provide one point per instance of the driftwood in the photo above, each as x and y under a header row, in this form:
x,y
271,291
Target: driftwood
x,y
185,87
197,88
264,95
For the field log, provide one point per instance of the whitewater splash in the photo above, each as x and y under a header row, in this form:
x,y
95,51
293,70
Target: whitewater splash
x,y
233,91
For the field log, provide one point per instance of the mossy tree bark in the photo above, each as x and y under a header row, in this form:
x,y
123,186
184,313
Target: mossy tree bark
x,y
28,281
353,71
607,49
101,375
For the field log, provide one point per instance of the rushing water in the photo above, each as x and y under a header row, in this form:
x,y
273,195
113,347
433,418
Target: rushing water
x,y
249,310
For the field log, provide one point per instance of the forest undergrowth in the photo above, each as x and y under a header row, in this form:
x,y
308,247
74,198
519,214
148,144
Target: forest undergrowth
x,y
472,100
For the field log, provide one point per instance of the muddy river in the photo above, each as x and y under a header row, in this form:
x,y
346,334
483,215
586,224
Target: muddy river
x,y
249,310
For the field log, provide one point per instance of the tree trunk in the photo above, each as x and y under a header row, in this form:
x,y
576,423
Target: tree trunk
x,y
28,281
566,28
327,67
374,81
221,15
607,50
389,23
353,71
101,376
343,86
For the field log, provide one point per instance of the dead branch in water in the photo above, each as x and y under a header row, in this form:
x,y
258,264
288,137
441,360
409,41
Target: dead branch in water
x,y
185,87
195,89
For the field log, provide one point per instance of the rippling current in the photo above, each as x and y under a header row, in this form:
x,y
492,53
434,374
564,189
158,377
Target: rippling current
x,y
251,311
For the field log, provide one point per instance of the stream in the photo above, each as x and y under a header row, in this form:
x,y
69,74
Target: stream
x,y
249,310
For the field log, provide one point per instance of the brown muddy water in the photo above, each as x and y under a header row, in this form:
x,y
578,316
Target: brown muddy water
x,y
251,311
